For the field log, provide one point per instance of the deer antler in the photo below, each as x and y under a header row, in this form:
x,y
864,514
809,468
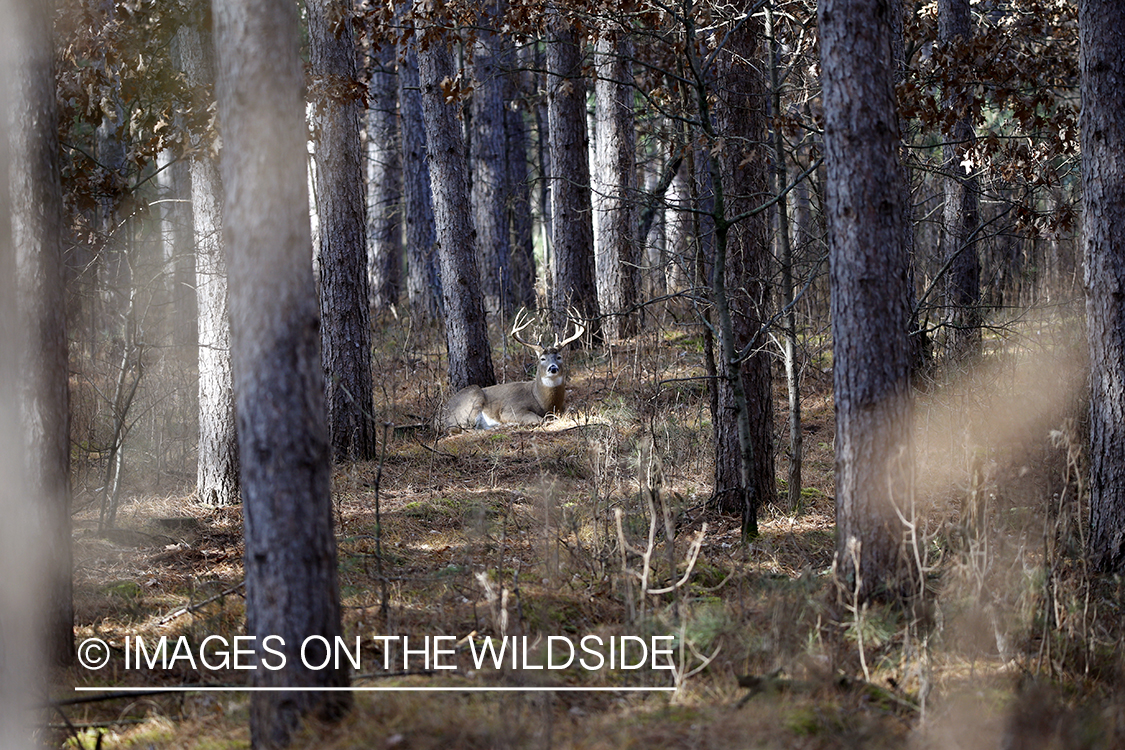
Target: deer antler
x,y
523,320
579,329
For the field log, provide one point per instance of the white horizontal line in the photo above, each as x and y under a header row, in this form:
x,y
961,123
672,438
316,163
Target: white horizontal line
x,y
372,689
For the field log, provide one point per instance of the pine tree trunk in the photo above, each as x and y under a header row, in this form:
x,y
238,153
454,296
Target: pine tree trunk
x,y
519,185
740,108
490,167
43,391
1102,64
342,252
572,231
962,206
384,181
787,292
423,281
868,269
466,337
614,189
217,462
290,559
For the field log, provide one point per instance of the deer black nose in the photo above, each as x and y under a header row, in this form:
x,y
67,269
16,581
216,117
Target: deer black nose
x,y
553,368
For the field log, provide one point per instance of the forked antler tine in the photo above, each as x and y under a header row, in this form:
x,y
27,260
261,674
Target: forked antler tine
x,y
523,320
579,329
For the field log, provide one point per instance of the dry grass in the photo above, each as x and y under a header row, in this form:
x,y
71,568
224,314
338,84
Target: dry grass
x,y
514,531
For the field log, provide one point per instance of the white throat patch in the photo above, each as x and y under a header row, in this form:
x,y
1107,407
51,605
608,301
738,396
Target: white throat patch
x,y
552,381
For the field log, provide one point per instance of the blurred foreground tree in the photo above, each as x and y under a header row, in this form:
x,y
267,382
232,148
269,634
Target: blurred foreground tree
x,y
42,383
22,550
292,590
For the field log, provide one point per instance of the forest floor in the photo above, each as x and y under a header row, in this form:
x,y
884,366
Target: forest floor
x,y
517,532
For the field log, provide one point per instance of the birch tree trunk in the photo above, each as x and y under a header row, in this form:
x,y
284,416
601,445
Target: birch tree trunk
x,y
342,252
291,583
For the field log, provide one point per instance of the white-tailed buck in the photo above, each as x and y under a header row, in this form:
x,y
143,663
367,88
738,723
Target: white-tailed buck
x,y
527,402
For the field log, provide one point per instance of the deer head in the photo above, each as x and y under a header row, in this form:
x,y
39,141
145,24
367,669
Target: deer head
x,y
525,402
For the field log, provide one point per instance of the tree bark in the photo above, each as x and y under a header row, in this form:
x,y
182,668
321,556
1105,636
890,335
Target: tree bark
x,y
423,282
677,232
572,231
342,252
868,269
490,167
179,244
962,206
290,559
614,189
744,462
466,336
1102,64
43,388
519,185
384,180
217,461
787,291
23,554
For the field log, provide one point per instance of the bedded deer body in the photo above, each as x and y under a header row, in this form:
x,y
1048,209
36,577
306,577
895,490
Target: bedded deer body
x,y
525,402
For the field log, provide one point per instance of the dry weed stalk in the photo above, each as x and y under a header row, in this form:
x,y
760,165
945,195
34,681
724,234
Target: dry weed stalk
x,y
650,475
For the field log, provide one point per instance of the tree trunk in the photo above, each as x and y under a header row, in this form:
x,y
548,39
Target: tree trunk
x,y
490,167
217,464
572,231
1102,63
423,282
466,337
384,180
43,390
342,252
23,553
787,291
962,205
616,255
740,107
179,242
290,559
677,232
519,186
868,269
